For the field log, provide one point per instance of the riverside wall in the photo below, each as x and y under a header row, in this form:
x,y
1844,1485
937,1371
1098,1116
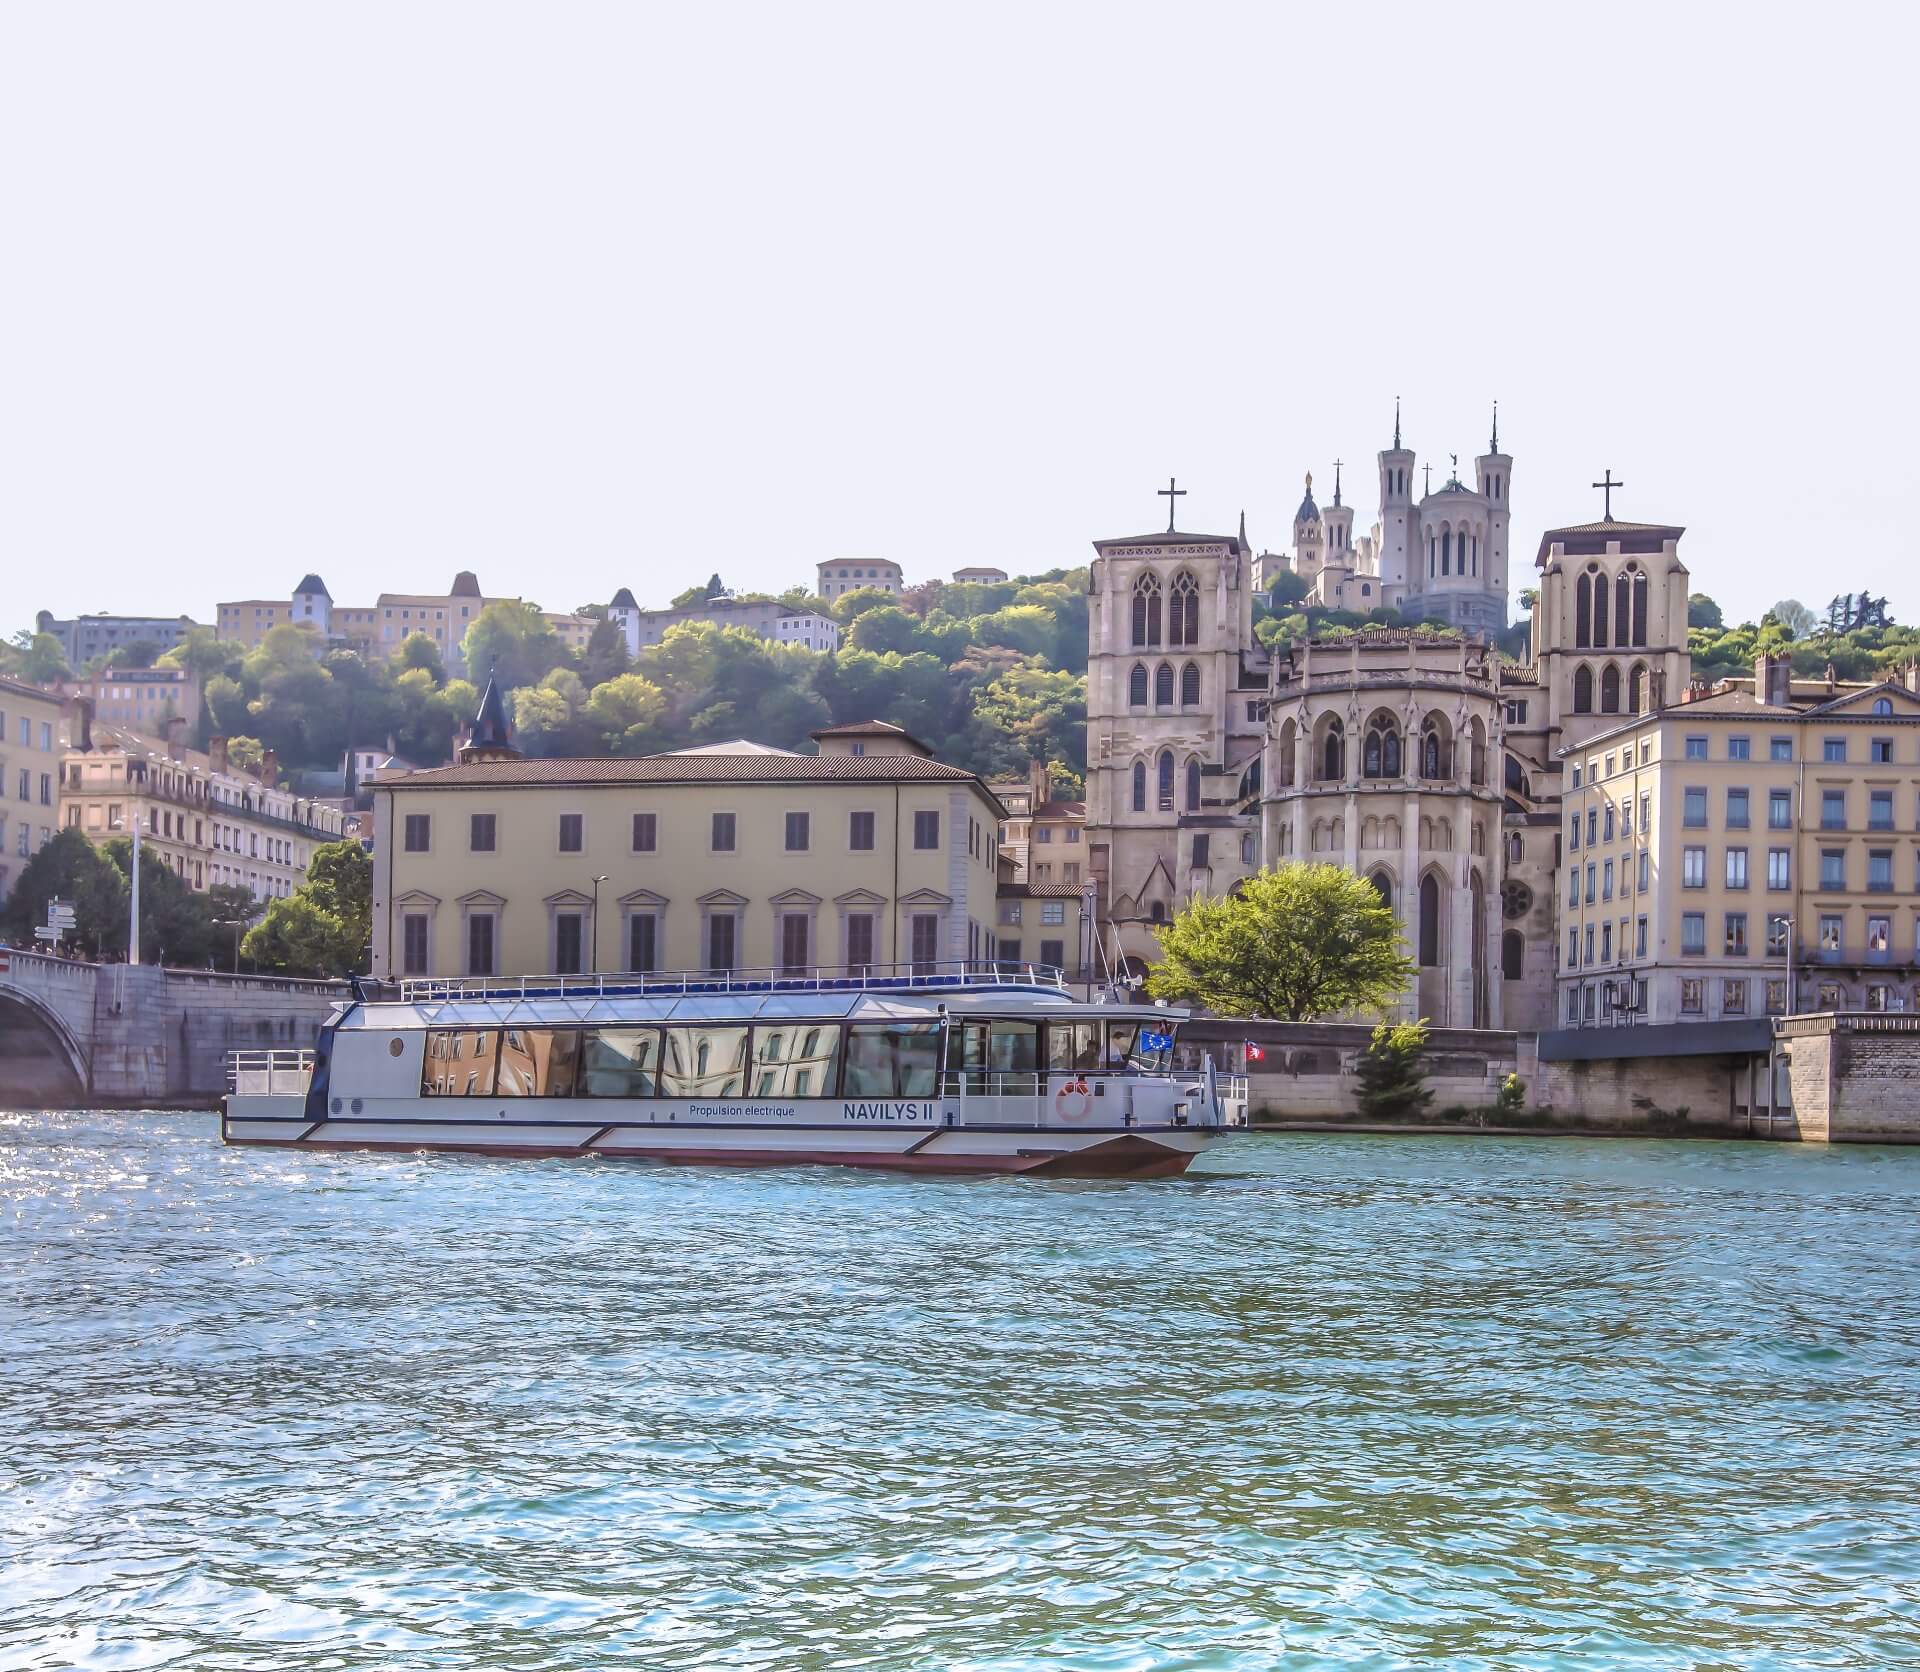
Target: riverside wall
x,y
1855,1077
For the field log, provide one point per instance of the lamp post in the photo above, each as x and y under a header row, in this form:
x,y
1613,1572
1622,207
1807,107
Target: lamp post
x,y
133,929
1789,924
594,956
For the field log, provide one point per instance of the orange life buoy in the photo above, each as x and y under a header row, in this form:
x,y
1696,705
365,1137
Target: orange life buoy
x,y
1073,1102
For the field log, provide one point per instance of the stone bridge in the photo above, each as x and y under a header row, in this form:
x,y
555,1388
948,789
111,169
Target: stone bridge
x,y
89,1035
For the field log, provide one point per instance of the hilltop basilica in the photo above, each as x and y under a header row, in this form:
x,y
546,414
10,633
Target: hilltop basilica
x,y
1425,764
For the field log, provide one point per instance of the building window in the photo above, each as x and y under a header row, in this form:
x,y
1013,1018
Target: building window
x,y
1879,938
1733,996
646,832
722,938
723,836
1736,939
1738,749
1880,809
1053,913
1833,809
1139,786
1693,933
480,943
1779,868
1137,686
1640,937
1736,809
796,933
1573,949
1193,786
569,943
1692,996
860,832
1053,953
1164,775
572,832
1694,811
1189,686
1880,751
1146,610
1833,867
1163,686
418,830
643,941
414,944
1777,934
1736,867
1879,870
480,832
924,939
1780,748
860,942
799,832
926,831
1693,867
1696,748
1429,922
1779,809
1833,750
1776,998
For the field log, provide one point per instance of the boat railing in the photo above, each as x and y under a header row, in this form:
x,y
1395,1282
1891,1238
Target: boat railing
x,y
269,1073
920,975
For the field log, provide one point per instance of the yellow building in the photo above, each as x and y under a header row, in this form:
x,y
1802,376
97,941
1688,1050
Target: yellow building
x,y
1709,841
33,739
736,857
206,821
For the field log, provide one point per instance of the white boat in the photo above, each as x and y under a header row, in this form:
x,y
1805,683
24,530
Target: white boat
x,y
962,1069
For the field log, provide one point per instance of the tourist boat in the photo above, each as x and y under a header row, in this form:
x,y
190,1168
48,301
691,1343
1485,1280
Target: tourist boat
x,y
964,1069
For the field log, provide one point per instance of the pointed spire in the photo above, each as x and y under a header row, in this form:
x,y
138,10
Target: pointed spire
x,y
1243,530
1396,423
490,737
1336,483
1495,447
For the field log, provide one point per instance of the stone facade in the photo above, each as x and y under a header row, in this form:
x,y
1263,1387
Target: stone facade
x,y
1855,1079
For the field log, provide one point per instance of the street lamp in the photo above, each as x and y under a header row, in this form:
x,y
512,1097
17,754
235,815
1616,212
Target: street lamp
x,y
1788,920
133,930
593,962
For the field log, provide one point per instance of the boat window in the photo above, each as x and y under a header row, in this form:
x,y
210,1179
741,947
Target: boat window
x,y
704,1062
1124,1049
459,1062
901,1059
537,1062
1073,1046
798,1061
1013,1058
619,1062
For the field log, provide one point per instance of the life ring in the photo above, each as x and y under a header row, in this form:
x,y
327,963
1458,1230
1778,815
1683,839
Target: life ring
x,y
1073,1102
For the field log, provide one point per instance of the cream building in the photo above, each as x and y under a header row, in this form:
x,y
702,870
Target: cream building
x,y
206,821
735,857
766,618
1040,829
1711,839
850,574
33,740
146,699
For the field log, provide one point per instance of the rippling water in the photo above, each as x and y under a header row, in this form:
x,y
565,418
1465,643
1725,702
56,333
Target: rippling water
x,y
1350,1402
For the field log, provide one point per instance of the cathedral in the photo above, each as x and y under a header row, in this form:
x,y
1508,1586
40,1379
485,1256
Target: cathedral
x,y
1428,764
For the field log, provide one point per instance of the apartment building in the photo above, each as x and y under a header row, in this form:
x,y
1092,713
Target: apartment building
x,y
1044,837
1751,850
146,699
1045,923
733,857
207,820
850,574
33,739
85,637
766,618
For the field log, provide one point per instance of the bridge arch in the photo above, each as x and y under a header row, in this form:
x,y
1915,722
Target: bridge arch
x,y
40,1060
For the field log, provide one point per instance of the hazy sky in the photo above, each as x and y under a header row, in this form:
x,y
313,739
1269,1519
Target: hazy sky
x,y
579,296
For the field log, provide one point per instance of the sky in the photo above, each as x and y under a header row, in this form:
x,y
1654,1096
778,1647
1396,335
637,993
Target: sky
x,y
580,296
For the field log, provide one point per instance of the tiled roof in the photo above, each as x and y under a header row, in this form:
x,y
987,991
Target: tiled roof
x,y
1061,810
1603,529
1174,538
1042,890
691,769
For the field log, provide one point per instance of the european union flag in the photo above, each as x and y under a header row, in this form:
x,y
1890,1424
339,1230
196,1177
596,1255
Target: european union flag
x,y
1156,1042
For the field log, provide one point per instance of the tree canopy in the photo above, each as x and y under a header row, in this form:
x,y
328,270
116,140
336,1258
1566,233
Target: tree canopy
x,y
1293,943
325,927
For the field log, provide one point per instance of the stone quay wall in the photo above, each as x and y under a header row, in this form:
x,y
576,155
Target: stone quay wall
x,y
1855,1077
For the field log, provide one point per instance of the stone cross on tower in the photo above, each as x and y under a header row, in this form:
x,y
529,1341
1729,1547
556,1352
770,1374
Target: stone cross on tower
x,y
1173,495
1609,484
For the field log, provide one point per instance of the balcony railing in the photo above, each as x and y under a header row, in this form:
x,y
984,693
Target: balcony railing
x,y
830,978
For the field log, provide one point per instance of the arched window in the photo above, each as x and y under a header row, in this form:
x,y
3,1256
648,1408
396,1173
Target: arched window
x,y
1582,612
1583,690
1380,749
1137,686
1637,689
1516,777
1429,921
1163,685
1882,705
1333,758
1512,952
1166,780
1193,785
1139,786
1446,551
1610,689
1600,610
1477,751
1383,886
1157,912
1146,610
1190,686
1434,754
1430,546
1252,779
1639,607
1183,610
1623,609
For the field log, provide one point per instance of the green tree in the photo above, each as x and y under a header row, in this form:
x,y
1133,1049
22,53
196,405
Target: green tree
x,y
418,651
1288,588
607,656
1702,611
325,927
72,869
626,712
1793,615
514,643
1392,1075
35,657
231,907
1294,943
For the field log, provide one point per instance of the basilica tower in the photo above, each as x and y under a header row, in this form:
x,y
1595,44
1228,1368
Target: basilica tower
x,y
1396,511
1494,474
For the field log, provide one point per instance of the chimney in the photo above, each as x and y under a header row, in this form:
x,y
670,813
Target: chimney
x,y
269,768
217,754
1831,679
1656,690
1910,674
176,737
1773,679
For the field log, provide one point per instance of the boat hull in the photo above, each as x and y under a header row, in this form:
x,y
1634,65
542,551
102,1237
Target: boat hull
x,y
1082,1153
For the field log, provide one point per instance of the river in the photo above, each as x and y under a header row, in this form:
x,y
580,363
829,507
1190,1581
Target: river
x,y
1334,1401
